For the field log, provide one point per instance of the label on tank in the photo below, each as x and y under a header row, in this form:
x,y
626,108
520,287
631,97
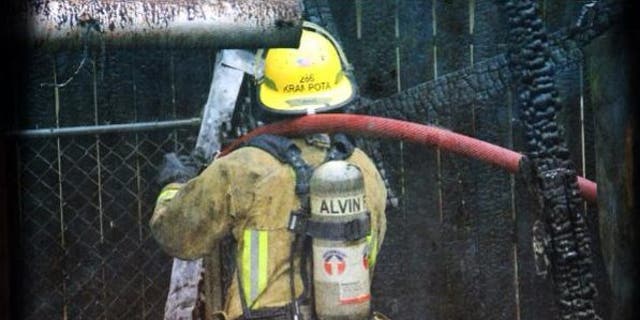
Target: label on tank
x,y
337,205
354,292
342,267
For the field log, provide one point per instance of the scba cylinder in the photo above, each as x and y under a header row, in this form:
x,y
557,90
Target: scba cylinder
x,y
340,267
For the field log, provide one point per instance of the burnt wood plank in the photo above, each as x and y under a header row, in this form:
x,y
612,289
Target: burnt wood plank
x,y
491,198
376,72
420,180
460,268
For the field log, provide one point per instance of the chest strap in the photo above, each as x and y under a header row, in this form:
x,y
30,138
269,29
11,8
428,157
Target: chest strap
x,y
350,230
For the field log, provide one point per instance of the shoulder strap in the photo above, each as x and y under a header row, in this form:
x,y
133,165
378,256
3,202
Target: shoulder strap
x,y
276,146
282,148
287,152
341,147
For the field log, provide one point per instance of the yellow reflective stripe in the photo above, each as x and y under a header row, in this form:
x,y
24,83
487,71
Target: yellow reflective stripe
x,y
262,261
254,264
246,266
167,195
373,249
168,192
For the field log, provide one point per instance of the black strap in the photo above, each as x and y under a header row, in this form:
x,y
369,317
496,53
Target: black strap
x,y
341,147
285,312
287,152
354,229
276,146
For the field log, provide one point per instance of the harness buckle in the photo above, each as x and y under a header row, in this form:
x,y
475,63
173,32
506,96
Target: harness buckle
x,y
298,222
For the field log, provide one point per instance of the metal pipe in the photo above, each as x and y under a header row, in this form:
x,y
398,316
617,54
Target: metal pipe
x,y
109,128
171,23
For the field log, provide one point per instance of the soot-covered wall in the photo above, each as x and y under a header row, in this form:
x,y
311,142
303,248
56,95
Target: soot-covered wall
x,y
459,245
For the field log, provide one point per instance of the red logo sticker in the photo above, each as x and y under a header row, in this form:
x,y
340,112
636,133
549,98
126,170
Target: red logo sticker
x,y
334,262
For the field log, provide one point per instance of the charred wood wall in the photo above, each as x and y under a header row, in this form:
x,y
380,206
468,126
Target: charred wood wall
x,y
612,71
458,246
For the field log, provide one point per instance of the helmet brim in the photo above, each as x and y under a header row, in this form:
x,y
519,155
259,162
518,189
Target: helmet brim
x,y
306,103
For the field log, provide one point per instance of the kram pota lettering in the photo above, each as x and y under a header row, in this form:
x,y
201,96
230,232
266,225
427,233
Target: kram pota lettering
x,y
307,83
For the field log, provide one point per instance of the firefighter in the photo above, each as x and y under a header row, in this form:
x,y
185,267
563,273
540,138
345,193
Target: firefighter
x,y
307,213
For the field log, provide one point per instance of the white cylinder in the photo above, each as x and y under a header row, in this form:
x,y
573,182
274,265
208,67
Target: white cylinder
x,y
340,268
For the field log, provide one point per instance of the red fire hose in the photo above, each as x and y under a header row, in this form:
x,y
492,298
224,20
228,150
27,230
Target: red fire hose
x,y
377,127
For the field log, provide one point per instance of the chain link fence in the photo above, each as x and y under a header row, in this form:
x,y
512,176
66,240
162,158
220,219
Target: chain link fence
x,y
85,202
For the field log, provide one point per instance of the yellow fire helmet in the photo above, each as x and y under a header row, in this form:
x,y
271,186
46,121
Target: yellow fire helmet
x,y
315,77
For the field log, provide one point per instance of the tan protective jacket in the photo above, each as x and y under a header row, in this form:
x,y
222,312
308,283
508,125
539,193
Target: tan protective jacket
x,y
251,194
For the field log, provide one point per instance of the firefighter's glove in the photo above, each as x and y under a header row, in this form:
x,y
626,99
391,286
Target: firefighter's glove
x,y
177,169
